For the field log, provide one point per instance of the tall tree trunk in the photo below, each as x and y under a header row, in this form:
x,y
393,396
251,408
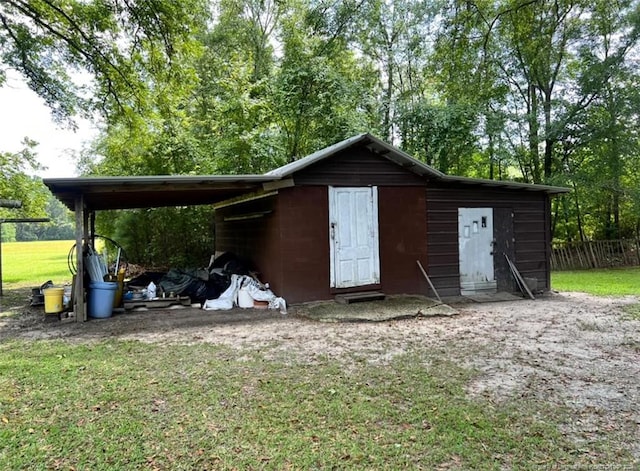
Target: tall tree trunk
x,y
534,152
491,155
388,96
548,139
576,199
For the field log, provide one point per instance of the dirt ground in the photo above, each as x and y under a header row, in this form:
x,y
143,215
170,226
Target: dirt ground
x,y
573,350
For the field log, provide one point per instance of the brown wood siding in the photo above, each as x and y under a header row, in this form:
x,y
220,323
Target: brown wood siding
x,y
504,244
530,231
255,239
304,217
357,167
403,239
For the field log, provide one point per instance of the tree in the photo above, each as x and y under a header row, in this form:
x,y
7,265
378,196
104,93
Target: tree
x,y
124,46
234,116
553,88
17,184
395,36
601,137
322,91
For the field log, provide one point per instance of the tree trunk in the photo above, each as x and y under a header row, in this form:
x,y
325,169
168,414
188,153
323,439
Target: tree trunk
x,y
491,156
548,140
388,96
534,152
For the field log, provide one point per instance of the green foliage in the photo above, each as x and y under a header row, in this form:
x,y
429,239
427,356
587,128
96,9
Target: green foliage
x,y
543,92
162,237
553,85
442,136
60,227
17,184
320,88
128,48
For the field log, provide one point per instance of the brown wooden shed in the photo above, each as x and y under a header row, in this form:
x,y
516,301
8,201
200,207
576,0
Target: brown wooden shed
x,y
356,217
353,217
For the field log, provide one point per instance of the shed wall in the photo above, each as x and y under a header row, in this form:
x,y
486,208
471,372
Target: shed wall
x,y
290,246
403,239
418,220
531,231
304,218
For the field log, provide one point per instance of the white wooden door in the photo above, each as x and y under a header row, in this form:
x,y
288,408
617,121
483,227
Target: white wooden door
x,y
475,237
353,236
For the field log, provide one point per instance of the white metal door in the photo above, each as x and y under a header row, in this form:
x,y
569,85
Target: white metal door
x,y
353,236
475,236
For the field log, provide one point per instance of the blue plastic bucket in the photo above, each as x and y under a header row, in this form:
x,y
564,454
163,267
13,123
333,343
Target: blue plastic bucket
x,y
101,296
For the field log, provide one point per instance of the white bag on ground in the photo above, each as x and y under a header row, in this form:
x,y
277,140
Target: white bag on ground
x,y
226,300
241,292
265,295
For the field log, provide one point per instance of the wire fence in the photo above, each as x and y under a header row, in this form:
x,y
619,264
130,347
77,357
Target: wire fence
x,y
595,254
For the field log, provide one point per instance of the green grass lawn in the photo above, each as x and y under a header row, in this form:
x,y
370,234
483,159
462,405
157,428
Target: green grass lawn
x,y
26,264
131,405
603,282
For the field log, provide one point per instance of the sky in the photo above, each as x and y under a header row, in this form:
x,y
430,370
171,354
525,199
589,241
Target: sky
x,y
24,114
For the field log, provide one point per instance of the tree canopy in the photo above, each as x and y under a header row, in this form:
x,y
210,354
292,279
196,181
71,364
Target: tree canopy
x,y
538,91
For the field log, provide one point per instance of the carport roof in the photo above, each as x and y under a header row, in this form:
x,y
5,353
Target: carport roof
x,y
102,193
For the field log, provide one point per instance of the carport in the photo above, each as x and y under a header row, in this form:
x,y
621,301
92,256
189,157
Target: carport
x,y
86,195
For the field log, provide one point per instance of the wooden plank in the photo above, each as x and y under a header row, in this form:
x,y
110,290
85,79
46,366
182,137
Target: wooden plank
x,y
593,255
519,279
623,252
360,297
159,303
433,288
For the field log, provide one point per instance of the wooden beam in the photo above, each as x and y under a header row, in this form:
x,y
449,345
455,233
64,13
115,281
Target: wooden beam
x,y
243,199
10,204
21,220
244,217
278,184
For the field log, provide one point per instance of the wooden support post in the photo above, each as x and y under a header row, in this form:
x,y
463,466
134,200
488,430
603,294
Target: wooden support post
x,y
78,307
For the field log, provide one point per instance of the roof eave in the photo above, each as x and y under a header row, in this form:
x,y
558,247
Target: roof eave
x,y
507,184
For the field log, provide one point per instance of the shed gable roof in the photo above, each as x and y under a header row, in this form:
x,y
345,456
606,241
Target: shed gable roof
x,y
403,159
372,143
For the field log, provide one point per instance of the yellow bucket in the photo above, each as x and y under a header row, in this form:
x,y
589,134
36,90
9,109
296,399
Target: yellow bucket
x,y
53,300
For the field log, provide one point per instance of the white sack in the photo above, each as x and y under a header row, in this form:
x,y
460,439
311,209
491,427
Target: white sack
x,y
226,300
229,298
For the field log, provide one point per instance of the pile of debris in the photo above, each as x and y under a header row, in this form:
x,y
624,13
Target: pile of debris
x,y
228,281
